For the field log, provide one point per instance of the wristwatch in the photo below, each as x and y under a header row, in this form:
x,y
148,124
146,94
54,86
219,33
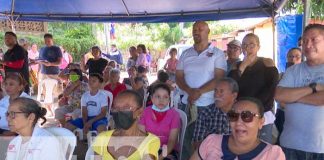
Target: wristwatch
x,y
313,87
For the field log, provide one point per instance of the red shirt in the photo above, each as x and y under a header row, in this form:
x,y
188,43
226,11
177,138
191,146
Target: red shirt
x,y
119,87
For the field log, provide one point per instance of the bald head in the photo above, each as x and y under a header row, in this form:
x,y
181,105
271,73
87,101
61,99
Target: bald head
x,y
200,32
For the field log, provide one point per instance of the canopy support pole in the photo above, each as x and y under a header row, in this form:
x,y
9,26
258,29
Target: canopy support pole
x,y
11,17
306,12
125,7
274,51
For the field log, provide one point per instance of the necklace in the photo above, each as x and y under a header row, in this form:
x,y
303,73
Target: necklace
x,y
132,145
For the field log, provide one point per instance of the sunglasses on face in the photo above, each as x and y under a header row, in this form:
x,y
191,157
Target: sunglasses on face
x,y
246,116
12,114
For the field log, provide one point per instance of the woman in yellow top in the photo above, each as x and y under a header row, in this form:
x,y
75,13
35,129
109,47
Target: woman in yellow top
x,y
127,141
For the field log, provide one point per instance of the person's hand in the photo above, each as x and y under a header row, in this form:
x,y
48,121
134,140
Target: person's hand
x,y
46,63
43,62
32,61
87,127
248,60
320,87
194,95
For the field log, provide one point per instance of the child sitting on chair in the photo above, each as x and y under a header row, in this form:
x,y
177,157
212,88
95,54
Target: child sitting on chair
x,y
94,104
163,121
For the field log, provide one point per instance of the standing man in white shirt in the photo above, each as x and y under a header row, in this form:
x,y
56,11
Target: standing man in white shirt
x,y
197,71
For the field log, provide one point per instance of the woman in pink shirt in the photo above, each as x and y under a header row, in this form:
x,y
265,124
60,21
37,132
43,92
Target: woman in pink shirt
x,y
33,54
141,59
171,64
246,119
162,121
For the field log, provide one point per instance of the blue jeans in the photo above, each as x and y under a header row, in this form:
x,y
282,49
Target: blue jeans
x,y
79,123
293,154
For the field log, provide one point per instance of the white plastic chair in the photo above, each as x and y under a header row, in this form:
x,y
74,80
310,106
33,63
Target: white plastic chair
x,y
172,99
183,118
66,138
79,131
146,95
89,154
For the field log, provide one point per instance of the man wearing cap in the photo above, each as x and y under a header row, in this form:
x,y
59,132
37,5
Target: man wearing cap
x,y
234,51
16,58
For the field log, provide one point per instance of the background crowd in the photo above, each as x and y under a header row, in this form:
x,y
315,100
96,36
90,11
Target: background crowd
x,y
228,103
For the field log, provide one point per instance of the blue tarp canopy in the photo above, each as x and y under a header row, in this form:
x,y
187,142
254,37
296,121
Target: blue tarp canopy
x,y
135,10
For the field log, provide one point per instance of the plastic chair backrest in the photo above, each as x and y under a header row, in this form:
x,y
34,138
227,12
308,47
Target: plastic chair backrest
x,y
66,138
146,95
183,117
89,154
110,101
89,135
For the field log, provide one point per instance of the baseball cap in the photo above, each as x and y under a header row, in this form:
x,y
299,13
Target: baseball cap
x,y
235,42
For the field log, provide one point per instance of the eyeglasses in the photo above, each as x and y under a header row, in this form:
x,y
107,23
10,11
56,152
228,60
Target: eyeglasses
x,y
246,116
251,45
125,108
292,56
161,98
12,114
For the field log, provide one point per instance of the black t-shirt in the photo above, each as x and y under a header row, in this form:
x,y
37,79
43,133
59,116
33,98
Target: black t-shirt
x,y
96,66
15,54
258,81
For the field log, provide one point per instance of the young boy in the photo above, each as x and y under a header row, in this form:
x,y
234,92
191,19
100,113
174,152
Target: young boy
x,y
141,72
139,86
94,105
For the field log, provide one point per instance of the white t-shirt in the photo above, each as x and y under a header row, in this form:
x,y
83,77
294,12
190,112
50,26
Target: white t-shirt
x,y
94,103
199,69
4,104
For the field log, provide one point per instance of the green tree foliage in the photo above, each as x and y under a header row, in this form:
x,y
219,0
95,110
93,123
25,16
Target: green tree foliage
x,y
297,6
156,36
76,38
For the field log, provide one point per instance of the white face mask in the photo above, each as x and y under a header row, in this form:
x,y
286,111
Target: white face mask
x,y
155,108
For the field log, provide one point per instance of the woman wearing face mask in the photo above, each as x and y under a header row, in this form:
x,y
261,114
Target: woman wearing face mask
x,y
72,95
127,141
162,121
246,119
257,77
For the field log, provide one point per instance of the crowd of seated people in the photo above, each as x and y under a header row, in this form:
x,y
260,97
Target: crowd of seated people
x,y
237,124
